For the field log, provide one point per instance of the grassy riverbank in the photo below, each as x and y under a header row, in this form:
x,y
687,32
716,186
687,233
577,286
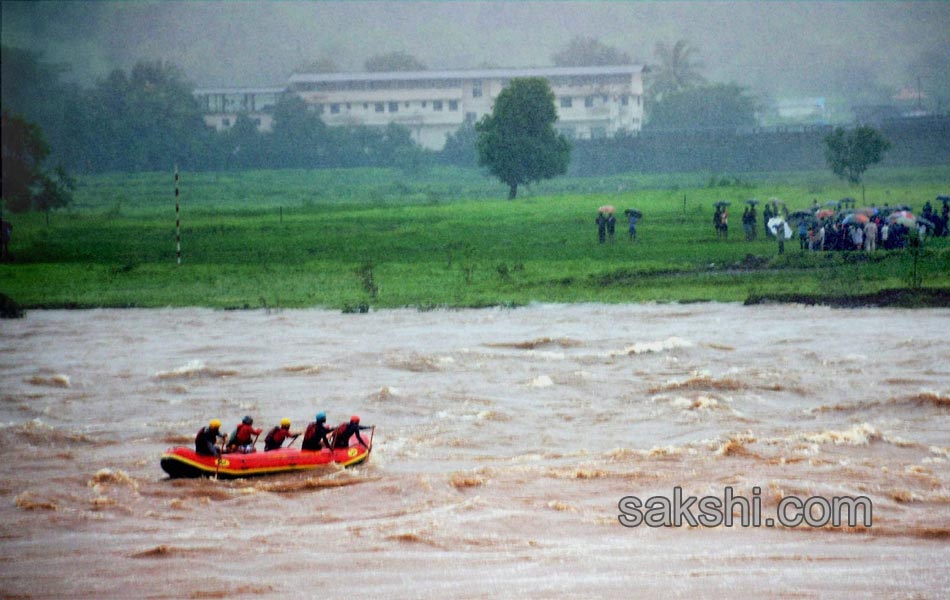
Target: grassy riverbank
x,y
349,239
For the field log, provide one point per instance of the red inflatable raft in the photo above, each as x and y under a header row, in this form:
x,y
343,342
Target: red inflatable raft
x,y
181,461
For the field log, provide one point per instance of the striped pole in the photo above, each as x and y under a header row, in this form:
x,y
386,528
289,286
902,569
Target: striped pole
x,y
177,219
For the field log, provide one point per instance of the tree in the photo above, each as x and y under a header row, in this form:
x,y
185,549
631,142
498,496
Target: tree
x,y
720,106
460,146
32,88
299,138
586,52
676,70
25,185
517,141
146,120
394,61
850,153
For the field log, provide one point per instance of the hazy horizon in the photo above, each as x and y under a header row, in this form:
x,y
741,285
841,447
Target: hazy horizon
x,y
859,50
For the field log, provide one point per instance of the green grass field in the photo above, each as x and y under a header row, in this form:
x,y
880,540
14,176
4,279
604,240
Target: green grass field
x,y
342,239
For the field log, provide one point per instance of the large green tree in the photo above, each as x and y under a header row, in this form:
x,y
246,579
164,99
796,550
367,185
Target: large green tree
x,y
720,106
587,52
850,153
25,185
517,141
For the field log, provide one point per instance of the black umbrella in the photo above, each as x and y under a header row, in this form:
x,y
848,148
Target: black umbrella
x,y
722,203
634,212
800,215
833,203
753,202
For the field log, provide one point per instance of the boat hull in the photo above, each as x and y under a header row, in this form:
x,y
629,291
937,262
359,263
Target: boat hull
x,y
182,461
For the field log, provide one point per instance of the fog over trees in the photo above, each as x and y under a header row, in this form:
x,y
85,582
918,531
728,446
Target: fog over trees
x,y
863,51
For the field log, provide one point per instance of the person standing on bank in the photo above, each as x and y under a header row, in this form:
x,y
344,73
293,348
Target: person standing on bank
x,y
601,227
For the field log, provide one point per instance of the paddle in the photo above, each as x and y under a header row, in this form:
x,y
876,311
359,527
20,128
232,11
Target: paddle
x,y
293,440
217,462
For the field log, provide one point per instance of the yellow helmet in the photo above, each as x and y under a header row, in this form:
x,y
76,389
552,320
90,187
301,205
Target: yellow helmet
x,y
214,424
285,422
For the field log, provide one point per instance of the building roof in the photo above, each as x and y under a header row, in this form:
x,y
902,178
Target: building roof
x,y
241,90
466,74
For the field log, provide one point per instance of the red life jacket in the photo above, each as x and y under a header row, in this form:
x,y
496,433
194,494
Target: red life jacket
x,y
310,432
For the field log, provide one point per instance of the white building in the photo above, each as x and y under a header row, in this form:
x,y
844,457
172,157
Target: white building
x,y
592,102
223,105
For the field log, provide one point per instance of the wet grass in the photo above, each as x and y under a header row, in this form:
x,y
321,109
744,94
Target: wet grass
x,y
360,238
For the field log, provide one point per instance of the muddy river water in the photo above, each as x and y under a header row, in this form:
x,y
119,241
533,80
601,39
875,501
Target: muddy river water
x,y
505,441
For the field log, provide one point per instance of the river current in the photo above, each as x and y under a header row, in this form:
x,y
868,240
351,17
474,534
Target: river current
x,y
505,439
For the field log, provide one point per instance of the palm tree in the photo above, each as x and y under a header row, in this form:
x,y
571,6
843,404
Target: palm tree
x,y
676,70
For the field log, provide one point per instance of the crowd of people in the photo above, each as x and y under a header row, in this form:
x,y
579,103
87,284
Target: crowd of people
x,y
838,225
211,442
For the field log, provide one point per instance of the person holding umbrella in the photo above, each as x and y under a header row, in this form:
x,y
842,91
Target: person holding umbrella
x,y
603,222
632,217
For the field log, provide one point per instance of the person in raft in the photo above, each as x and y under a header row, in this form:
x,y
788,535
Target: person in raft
x,y
276,436
241,439
206,442
344,431
315,437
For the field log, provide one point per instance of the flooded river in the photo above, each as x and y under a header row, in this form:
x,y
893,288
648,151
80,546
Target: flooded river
x,y
505,441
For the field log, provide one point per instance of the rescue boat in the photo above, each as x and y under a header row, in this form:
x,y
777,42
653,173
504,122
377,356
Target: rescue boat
x,y
182,461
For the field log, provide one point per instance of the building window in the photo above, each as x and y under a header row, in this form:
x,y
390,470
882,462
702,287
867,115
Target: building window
x,y
334,108
379,107
453,104
226,122
598,133
366,106
566,102
347,106
604,99
470,117
436,105
406,104
476,89
257,122
588,101
624,100
393,107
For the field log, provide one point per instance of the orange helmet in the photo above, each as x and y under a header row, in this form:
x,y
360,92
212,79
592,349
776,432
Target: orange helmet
x,y
354,419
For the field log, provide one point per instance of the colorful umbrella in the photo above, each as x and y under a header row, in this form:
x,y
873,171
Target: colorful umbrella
x,y
901,214
607,209
904,221
825,214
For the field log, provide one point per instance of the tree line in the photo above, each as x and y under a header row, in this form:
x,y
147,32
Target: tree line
x,y
147,119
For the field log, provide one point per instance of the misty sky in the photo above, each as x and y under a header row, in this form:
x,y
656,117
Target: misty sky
x,y
777,48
